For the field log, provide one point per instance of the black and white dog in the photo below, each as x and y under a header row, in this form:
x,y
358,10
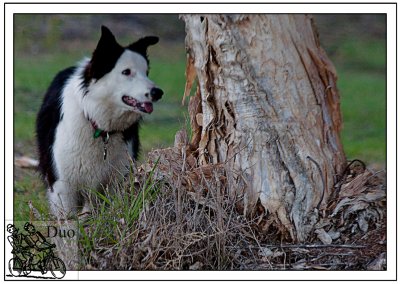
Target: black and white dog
x,y
87,127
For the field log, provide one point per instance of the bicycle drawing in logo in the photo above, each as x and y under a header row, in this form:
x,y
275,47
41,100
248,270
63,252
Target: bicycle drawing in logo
x,y
32,252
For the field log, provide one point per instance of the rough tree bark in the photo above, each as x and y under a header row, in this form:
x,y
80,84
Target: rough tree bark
x,y
266,105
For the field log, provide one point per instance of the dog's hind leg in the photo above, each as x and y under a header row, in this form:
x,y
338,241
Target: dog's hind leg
x,y
64,200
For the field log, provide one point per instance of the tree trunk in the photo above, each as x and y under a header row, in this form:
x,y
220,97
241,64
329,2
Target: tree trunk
x,y
267,106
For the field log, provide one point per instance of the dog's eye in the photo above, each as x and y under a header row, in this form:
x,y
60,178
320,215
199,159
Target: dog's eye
x,y
126,72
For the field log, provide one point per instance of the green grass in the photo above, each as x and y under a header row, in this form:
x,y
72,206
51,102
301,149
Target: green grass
x,y
362,55
111,227
28,187
361,67
364,107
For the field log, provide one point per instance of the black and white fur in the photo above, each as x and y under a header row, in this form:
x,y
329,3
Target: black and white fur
x,y
108,93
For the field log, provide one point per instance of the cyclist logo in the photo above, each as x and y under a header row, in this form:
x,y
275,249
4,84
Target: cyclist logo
x,y
32,252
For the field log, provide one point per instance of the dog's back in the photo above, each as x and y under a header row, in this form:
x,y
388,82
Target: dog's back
x,y
48,118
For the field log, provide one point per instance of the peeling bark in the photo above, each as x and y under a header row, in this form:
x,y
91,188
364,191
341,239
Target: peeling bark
x,y
267,106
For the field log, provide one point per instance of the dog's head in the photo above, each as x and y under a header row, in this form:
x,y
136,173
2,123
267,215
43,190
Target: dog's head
x,y
117,75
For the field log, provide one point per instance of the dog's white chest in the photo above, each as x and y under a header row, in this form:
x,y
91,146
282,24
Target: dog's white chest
x,y
79,158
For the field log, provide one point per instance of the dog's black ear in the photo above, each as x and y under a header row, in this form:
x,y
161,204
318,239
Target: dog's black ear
x,y
142,44
105,55
106,36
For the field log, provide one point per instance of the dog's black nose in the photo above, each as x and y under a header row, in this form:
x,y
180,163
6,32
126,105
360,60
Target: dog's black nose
x,y
156,94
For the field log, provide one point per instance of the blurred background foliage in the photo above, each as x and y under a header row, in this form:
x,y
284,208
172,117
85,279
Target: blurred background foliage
x,y
46,43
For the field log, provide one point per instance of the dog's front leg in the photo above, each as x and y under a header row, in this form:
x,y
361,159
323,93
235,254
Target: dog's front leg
x,y
64,200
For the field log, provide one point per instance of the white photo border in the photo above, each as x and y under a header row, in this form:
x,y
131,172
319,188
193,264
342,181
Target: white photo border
x,y
390,9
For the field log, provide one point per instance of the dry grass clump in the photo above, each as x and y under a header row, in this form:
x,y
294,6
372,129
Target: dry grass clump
x,y
177,229
176,216
176,232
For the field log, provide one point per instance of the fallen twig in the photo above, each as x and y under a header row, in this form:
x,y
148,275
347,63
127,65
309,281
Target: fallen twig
x,y
26,162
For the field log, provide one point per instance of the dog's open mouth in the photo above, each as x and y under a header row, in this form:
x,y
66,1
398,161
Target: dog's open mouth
x,y
146,107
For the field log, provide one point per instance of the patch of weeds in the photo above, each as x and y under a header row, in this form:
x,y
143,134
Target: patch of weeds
x,y
116,210
28,188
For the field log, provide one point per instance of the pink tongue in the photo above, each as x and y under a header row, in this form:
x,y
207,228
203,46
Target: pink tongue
x,y
148,107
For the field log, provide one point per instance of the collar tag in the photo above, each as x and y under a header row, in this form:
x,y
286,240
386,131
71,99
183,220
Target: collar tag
x,y
97,133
